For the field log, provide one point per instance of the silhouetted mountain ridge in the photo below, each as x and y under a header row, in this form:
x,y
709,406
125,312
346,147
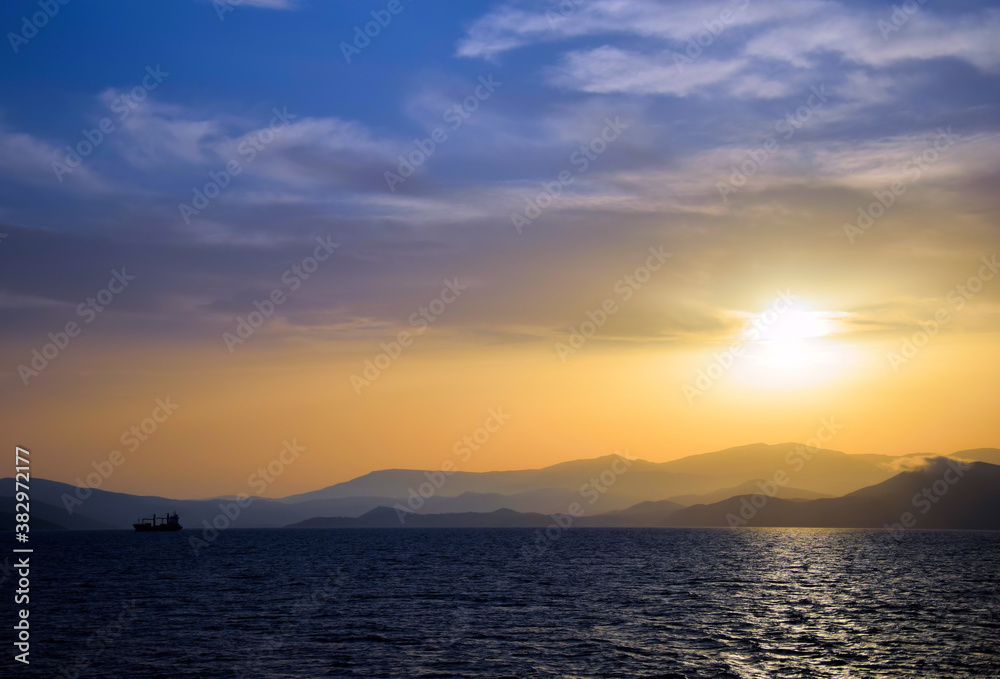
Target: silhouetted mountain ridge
x,y
628,485
943,495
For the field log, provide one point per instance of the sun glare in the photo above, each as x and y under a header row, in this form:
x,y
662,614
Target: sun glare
x,y
792,345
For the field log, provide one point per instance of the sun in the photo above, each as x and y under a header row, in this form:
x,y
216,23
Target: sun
x,y
792,344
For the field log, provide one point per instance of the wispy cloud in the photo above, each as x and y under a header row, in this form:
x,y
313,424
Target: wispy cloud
x,y
263,4
517,24
28,159
609,69
732,48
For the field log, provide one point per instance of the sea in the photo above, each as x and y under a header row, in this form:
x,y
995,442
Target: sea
x,y
519,603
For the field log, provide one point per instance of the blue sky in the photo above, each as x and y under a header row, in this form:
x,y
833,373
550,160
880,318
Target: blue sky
x,y
560,78
227,74
892,79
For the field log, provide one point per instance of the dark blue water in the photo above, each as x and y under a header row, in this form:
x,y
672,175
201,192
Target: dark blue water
x,y
467,603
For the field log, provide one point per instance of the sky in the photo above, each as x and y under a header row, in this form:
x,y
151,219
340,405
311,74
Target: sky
x,y
543,231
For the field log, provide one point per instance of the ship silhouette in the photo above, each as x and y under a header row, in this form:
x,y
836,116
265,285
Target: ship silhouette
x,y
155,523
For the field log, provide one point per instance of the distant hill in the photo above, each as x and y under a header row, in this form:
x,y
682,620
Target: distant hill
x,y
990,455
938,496
814,473
386,517
748,488
972,502
543,501
642,514
109,510
44,516
642,481
827,472
8,521
703,479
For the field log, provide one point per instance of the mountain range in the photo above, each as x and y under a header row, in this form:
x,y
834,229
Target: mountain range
x,y
792,484
944,494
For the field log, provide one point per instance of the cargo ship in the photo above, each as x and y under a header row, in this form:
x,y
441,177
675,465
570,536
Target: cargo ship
x,y
158,524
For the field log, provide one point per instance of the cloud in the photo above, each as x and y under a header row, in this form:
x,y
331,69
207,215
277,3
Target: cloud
x,y
518,24
154,133
160,145
857,37
303,154
736,48
263,4
321,152
609,69
27,159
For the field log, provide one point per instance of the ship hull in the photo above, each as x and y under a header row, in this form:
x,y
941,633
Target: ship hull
x,y
146,528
